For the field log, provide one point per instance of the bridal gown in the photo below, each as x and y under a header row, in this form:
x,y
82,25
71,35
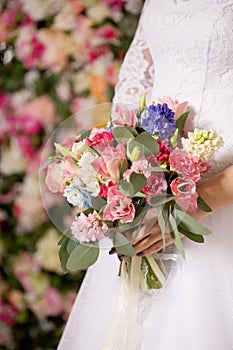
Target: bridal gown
x,y
182,49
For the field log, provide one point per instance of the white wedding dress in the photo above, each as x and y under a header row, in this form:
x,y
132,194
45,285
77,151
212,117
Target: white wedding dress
x,y
182,49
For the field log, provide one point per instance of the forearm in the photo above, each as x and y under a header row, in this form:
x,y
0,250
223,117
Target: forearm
x,y
217,192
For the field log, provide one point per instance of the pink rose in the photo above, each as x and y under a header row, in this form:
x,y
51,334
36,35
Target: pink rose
x,y
175,106
185,164
100,139
54,177
108,165
185,191
119,207
122,115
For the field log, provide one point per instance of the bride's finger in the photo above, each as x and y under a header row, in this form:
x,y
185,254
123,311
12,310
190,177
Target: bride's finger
x,y
157,246
142,234
147,241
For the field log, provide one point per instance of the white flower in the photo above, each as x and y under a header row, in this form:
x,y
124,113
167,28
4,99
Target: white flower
x,y
202,143
12,159
88,174
79,148
41,9
99,12
77,193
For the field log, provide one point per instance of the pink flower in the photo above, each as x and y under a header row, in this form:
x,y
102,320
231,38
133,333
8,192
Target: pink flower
x,y
184,164
7,313
53,302
157,185
105,188
185,191
89,228
119,207
122,115
107,32
54,177
68,170
164,151
137,167
108,165
28,48
100,139
175,106
116,4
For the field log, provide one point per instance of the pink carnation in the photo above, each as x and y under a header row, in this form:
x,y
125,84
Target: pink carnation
x,y
157,185
89,228
122,115
164,151
185,191
100,139
184,164
105,188
108,165
119,207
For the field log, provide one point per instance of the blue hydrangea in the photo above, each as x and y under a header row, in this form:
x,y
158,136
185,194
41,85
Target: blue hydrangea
x,y
77,195
159,120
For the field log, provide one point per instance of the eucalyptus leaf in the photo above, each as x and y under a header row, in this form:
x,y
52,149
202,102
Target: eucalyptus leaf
x,y
191,224
84,134
159,199
70,246
146,143
63,254
177,239
156,169
162,224
98,203
193,236
138,181
203,205
122,134
122,244
83,256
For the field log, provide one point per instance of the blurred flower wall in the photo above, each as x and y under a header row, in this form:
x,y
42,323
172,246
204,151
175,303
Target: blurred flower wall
x,y
56,58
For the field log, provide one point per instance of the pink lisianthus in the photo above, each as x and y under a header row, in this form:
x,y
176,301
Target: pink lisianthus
x,y
105,188
137,167
89,228
119,207
157,185
68,169
108,165
184,164
122,115
100,139
54,177
175,106
185,191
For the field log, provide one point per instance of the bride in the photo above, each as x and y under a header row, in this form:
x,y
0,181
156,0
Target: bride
x,y
184,49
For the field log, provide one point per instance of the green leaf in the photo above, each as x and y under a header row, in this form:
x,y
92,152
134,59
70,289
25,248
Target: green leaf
x,y
70,246
122,244
156,169
162,224
146,143
63,254
138,181
175,235
180,122
190,224
98,203
132,130
193,236
122,134
62,239
84,134
123,168
159,199
203,205
63,150
83,256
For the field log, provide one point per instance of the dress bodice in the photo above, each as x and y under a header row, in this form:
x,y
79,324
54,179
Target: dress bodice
x,y
191,48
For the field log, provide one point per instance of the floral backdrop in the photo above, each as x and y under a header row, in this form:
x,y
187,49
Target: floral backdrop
x,y
56,58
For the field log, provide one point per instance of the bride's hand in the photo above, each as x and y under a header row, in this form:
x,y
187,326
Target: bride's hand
x,y
152,241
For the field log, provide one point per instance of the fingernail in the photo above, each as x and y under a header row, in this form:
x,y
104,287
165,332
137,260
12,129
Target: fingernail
x,y
140,254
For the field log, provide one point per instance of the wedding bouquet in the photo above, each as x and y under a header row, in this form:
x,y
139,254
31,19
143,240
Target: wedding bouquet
x,y
140,163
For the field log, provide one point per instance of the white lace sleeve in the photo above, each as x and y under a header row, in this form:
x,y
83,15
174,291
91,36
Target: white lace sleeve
x,y
136,73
